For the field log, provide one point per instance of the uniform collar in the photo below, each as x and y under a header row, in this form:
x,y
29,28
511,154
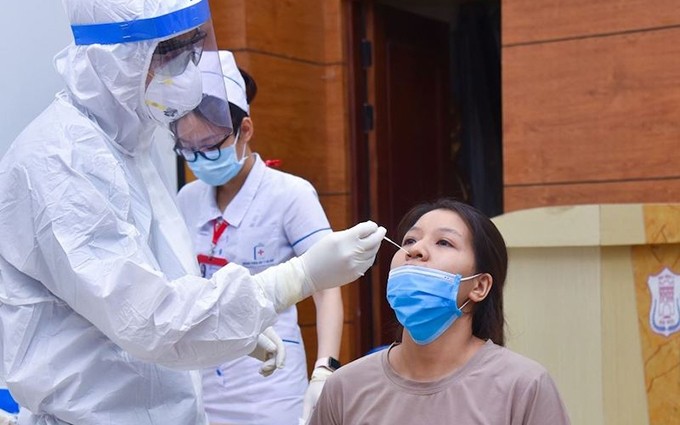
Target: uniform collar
x,y
207,203
238,207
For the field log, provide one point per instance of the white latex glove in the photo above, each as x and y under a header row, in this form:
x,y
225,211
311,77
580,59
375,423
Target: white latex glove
x,y
336,259
342,257
7,418
269,350
313,392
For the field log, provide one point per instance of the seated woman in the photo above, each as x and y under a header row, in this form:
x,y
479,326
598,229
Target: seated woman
x,y
451,366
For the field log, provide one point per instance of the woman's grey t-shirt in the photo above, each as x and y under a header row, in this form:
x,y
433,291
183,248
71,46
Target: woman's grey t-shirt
x,y
495,387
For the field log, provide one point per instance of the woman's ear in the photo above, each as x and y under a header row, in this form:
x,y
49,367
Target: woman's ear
x,y
247,129
481,288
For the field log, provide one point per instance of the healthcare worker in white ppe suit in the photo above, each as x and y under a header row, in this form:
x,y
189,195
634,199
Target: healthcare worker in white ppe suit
x,y
104,316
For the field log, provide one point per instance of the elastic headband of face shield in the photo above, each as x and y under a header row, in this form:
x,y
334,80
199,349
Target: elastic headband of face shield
x,y
143,29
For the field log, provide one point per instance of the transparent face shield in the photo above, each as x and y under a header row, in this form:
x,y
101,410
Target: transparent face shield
x,y
202,132
206,129
185,80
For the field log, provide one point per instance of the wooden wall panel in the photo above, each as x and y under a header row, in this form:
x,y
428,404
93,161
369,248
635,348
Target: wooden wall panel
x,y
337,210
594,109
307,30
334,35
306,312
530,20
335,138
648,191
297,116
229,22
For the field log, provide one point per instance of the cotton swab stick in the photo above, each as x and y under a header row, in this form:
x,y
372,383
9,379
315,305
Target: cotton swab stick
x,y
396,244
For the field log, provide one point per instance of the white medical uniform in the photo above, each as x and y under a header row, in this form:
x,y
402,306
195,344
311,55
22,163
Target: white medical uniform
x,y
102,311
274,217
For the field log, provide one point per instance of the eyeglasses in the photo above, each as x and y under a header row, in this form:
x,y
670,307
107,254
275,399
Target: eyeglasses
x,y
211,153
171,57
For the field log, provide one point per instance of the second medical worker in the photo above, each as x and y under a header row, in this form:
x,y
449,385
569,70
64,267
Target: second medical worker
x,y
243,212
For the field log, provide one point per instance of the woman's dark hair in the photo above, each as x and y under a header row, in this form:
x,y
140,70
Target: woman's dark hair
x,y
237,114
251,87
491,256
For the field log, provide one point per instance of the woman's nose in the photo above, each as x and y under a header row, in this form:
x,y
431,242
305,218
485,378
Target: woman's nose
x,y
417,251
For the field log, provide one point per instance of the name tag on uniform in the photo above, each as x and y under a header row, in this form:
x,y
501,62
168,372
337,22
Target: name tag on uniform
x,y
210,264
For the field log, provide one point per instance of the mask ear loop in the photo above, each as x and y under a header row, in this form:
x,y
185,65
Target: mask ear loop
x,y
245,146
468,278
238,134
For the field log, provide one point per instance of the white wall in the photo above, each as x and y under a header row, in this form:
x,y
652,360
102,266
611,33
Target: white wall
x,y
32,32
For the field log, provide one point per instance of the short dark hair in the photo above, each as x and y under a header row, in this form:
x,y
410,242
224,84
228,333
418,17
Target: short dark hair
x,y
491,256
237,114
251,86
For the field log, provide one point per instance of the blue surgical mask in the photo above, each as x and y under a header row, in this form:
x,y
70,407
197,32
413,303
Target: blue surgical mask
x,y
221,170
424,300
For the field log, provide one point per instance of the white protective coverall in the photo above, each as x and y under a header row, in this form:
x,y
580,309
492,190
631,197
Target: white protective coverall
x,y
102,312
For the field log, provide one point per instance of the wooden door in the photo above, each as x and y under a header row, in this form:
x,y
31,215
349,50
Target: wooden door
x,y
406,157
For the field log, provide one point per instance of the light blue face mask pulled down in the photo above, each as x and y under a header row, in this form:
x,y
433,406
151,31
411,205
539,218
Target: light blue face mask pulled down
x,y
424,300
221,170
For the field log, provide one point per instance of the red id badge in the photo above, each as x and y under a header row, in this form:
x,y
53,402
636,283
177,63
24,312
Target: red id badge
x,y
210,264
